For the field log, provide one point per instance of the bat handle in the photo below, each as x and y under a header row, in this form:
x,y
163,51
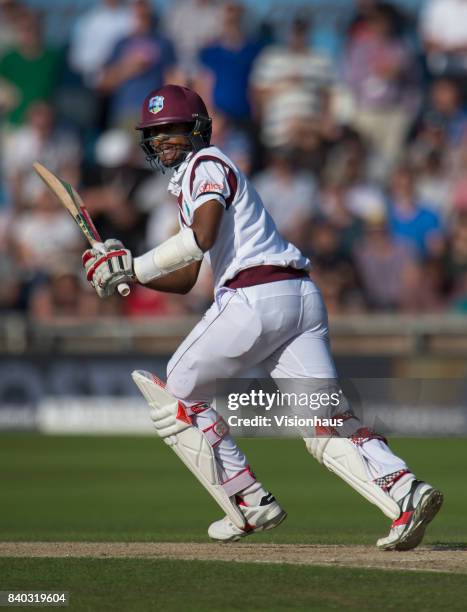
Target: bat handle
x,y
123,289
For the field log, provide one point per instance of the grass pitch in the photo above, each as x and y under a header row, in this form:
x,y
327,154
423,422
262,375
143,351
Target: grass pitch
x,y
135,489
198,586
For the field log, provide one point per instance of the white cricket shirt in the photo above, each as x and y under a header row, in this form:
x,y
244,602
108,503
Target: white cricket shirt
x,y
247,235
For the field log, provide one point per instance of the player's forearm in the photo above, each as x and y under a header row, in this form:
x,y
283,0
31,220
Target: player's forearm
x,y
199,239
180,281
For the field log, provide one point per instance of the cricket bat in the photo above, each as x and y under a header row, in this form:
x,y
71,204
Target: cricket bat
x,y
71,200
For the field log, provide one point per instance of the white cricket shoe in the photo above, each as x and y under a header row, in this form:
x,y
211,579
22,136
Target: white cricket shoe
x,y
418,507
258,518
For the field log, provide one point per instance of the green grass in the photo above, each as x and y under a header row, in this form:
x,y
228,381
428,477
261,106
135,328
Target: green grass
x,y
135,489
197,586
100,488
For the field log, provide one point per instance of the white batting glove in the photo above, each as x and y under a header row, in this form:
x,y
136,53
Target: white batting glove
x,y
107,268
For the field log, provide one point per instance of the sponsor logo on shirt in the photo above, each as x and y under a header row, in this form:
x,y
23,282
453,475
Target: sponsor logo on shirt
x,y
210,187
156,104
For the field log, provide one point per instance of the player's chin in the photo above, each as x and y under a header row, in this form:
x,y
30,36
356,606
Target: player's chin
x,y
170,160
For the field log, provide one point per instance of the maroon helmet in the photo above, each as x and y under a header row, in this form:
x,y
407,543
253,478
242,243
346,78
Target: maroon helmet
x,y
173,104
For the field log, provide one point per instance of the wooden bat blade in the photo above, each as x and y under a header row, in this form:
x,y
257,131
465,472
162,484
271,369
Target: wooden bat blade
x,y
75,206
71,201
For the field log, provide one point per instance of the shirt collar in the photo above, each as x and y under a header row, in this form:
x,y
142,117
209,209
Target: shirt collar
x,y
175,184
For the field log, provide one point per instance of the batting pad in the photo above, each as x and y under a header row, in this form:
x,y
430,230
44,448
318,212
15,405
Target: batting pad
x,y
340,456
174,426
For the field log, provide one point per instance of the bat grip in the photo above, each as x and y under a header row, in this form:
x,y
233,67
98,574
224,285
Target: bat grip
x,y
122,288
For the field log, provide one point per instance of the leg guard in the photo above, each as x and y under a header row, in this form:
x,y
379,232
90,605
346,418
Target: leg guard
x,y
341,456
193,447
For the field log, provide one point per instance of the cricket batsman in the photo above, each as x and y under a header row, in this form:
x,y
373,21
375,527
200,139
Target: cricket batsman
x,y
266,311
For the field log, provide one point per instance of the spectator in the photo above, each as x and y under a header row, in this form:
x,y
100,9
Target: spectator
x,y
10,12
360,19
333,208
440,124
115,215
226,66
410,220
10,288
42,233
95,35
333,270
443,29
153,198
433,184
347,168
321,169
388,269
290,84
141,61
443,123
233,141
205,19
62,297
31,69
454,261
115,149
380,71
40,139
458,181
288,194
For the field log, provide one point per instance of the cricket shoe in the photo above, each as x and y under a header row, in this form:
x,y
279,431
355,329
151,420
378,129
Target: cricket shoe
x,y
257,518
418,508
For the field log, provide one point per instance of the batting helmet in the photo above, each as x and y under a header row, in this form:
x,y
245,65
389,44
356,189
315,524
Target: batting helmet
x,y
174,104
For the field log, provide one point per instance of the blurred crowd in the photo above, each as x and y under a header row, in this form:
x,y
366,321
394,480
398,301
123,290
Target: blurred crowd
x,y
359,150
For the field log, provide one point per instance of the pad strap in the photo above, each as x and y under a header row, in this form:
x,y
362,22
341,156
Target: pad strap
x,y
197,408
363,434
215,432
240,481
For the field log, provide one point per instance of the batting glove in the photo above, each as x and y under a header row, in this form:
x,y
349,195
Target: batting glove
x,y
107,268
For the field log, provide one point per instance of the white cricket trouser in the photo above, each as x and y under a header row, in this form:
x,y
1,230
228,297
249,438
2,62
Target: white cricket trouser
x,y
281,326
